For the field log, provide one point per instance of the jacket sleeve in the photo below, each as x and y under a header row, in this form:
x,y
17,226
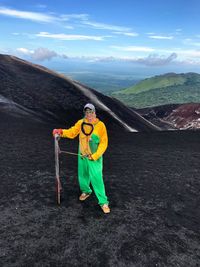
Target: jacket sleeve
x,y
73,131
103,144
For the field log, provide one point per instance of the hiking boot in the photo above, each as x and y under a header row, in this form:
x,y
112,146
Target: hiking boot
x,y
105,208
83,196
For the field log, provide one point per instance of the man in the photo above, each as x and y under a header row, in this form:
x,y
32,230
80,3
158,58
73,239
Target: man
x,y
93,142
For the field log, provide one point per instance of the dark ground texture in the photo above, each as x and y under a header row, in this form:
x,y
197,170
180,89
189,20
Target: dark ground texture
x,y
152,181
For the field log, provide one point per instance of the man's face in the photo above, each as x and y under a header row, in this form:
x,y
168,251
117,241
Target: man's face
x,y
90,115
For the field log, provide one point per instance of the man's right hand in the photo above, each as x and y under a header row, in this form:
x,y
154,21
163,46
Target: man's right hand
x,y
57,131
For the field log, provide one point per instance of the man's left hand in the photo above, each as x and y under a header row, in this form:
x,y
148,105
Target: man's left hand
x,y
90,157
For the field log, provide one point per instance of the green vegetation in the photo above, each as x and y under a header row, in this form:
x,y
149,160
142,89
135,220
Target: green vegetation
x,y
104,83
160,90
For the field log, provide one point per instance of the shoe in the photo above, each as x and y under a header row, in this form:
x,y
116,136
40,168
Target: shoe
x,y
83,196
105,208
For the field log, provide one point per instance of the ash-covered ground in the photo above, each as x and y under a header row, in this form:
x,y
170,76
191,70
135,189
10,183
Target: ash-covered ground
x,y
152,181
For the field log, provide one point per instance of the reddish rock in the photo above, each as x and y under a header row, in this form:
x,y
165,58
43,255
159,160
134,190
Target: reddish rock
x,y
186,116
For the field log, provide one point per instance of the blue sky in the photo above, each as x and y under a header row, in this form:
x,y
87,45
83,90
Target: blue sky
x,y
152,33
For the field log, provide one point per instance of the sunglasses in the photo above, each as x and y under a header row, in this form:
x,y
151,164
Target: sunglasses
x,y
89,112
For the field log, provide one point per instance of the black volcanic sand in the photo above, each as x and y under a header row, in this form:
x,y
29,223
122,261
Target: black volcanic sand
x,y
153,184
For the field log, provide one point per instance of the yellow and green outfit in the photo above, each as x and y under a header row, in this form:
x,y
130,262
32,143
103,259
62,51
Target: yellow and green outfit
x,y
94,144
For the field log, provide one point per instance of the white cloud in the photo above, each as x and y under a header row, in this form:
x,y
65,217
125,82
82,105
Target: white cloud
x,y
39,54
157,60
24,51
68,17
100,59
186,55
78,20
187,40
34,16
84,20
70,37
150,33
5,51
42,54
103,26
41,17
161,37
189,53
131,34
195,43
178,31
150,60
134,48
191,42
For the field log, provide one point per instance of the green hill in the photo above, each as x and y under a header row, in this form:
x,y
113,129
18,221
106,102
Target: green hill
x,y
169,88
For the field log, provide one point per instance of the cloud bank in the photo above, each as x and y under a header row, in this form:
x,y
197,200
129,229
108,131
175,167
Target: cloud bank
x,y
39,54
157,60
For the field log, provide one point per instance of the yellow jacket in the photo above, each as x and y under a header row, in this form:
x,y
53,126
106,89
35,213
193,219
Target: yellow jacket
x,y
95,144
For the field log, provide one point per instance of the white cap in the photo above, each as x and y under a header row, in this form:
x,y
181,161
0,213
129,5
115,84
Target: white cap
x,y
89,106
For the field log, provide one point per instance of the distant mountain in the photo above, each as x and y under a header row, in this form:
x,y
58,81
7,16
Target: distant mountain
x,y
32,91
164,89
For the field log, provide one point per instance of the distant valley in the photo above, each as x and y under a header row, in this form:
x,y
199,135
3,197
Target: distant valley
x,y
106,83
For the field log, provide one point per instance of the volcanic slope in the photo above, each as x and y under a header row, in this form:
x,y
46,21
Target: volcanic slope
x,y
152,182
38,92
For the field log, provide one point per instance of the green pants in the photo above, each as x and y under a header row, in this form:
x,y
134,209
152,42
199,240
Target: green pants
x,y
90,172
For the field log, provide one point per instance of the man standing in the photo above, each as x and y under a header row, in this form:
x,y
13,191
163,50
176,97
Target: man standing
x,y
93,142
